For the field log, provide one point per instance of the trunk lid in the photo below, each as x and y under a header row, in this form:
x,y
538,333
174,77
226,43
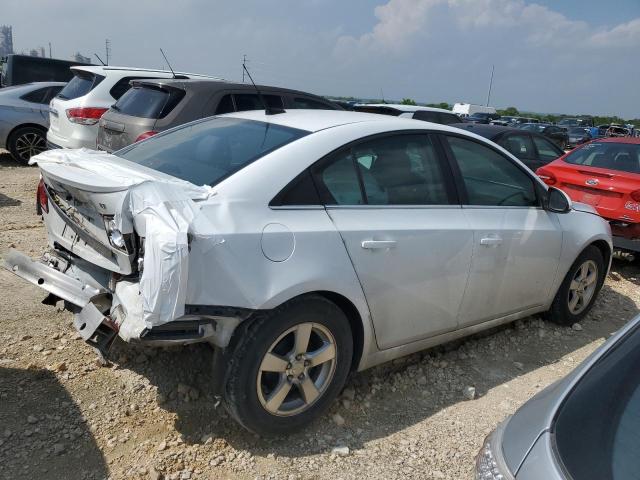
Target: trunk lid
x,y
606,190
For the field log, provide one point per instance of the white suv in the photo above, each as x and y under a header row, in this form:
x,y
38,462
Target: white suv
x,y
75,111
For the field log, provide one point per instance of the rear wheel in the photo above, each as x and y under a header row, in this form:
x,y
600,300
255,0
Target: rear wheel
x,y
26,142
579,289
288,366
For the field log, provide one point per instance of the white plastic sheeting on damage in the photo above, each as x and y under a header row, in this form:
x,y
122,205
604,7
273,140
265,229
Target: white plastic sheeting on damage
x,y
161,206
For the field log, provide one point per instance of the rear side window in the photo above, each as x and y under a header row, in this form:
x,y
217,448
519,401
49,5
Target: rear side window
x,y
147,102
81,84
390,170
300,102
547,151
518,145
225,105
426,116
251,101
449,118
37,96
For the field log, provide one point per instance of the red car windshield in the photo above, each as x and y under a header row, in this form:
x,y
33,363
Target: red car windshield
x,y
624,157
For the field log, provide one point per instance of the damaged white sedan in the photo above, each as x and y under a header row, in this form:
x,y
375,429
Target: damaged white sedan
x,y
303,245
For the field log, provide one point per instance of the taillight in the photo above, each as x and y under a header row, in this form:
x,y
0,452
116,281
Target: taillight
x,y
635,195
42,201
86,115
546,176
145,135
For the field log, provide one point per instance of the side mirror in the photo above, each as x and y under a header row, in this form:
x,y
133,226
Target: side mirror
x,y
557,201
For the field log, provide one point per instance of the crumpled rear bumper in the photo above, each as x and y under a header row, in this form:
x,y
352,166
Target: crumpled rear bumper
x,y
100,314
92,325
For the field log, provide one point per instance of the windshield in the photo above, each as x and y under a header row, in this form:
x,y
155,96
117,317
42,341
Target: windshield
x,y
597,428
624,157
568,121
207,151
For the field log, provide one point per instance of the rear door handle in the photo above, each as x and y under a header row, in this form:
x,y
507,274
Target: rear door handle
x,y
490,241
375,244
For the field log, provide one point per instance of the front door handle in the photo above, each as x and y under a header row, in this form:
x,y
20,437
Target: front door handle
x,y
375,244
490,241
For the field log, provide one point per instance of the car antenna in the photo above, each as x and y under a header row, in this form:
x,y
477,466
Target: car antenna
x,y
267,109
104,64
165,59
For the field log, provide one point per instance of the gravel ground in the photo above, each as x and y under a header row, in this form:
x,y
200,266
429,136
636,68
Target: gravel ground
x,y
149,414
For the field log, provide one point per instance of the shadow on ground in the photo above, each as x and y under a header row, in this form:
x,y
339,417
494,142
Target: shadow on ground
x,y
42,432
486,361
8,201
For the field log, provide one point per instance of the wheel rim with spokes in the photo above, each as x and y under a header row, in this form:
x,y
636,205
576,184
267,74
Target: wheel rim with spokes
x,y
30,144
296,369
582,287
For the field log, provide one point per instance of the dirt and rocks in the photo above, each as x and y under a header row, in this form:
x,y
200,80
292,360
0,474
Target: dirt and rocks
x,y
149,414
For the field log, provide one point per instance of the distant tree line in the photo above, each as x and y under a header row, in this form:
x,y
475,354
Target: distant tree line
x,y
509,111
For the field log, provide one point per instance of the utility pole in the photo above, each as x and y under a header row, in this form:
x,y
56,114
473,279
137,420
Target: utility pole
x,y
490,84
107,50
50,50
244,61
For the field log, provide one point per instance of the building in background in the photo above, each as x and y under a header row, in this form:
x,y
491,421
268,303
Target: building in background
x,y
6,40
37,52
78,57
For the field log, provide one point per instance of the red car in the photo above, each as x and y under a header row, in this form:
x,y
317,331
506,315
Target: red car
x,y
604,173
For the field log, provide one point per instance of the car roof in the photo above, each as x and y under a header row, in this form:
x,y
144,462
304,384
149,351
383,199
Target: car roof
x,y
207,84
486,131
630,140
106,68
403,108
316,120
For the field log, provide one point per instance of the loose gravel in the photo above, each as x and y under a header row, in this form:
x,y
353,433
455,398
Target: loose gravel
x,y
149,414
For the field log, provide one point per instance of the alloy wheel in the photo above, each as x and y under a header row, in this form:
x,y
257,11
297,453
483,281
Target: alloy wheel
x,y
30,144
582,287
297,369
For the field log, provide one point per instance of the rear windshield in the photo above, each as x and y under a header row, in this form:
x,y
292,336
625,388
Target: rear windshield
x,y
81,84
148,102
624,157
597,430
207,151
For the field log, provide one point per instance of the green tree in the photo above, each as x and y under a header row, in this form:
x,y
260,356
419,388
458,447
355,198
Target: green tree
x,y
408,101
509,111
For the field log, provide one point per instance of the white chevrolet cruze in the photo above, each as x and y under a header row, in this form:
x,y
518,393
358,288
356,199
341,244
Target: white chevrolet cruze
x,y
307,244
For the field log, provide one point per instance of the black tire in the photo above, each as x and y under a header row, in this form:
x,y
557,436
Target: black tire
x,y
241,396
560,312
25,142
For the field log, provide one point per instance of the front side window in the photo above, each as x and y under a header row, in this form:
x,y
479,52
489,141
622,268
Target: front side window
x,y
489,178
547,151
518,145
390,170
206,152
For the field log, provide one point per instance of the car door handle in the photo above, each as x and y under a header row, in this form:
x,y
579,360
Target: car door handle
x,y
490,241
375,244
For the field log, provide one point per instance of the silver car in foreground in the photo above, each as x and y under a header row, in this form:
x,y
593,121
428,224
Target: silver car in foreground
x,y
583,427
24,118
306,244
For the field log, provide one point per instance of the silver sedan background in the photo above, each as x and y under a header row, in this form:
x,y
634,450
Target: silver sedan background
x,y
586,426
24,118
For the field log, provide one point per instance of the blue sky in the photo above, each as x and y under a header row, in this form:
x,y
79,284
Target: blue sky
x,y
566,56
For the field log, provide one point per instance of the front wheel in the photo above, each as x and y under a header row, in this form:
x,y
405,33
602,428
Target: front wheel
x,y
288,366
579,289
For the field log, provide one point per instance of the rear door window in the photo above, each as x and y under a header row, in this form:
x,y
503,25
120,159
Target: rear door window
x,y
301,102
147,102
547,151
251,101
518,145
81,84
36,96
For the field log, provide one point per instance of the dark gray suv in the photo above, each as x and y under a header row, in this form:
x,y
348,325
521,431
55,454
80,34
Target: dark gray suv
x,y
154,105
